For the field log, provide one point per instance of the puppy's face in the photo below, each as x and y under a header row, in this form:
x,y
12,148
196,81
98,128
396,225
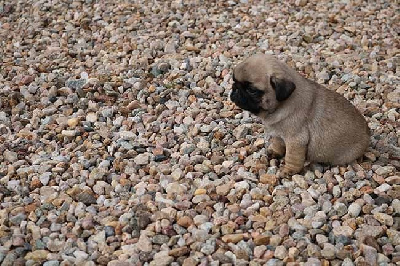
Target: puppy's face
x,y
256,86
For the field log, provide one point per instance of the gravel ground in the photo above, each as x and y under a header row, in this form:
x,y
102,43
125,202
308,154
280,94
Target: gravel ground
x,y
119,145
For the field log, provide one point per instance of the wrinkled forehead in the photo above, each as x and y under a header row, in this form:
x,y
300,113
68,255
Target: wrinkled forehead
x,y
249,71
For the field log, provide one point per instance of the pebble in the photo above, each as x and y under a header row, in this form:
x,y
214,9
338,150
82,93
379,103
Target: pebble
x,y
354,210
328,251
370,254
280,252
385,170
37,255
142,159
394,236
185,221
144,243
345,230
232,238
91,117
384,218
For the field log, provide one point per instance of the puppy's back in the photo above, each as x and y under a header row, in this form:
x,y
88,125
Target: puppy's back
x,y
341,133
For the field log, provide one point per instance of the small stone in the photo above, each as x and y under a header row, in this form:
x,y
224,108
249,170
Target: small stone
x,y
86,197
142,159
223,189
51,263
394,236
385,170
185,221
393,180
221,257
10,156
347,262
177,174
301,2
313,250
144,243
232,238
55,245
396,205
18,241
261,240
160,239
382,259
343,230
73,122
300,181
241,131
259,143
384,218
200,219
37,255
76,84
354,210
162,259
68,133
268,179
109,230
91,117
259,251
200,191
370,254
178,252
293,252
275,240
280,252
328,251
87,223
383,188
321,239
80,255
227,229
209,247
336,191
242,185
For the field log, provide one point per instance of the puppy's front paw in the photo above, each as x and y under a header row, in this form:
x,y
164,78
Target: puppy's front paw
x,y
288,171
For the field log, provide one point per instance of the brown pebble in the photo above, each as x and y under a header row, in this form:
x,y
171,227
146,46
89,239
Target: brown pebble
x,y
268,179
177,252
232,238
261,240
185,221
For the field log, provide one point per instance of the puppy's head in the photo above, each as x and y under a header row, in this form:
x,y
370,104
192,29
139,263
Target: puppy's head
x,y
261,84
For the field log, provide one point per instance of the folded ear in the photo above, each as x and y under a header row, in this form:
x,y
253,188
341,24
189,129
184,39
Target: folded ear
x,y
283,88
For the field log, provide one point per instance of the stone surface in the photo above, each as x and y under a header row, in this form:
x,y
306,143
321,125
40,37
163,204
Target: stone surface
x,y
119,142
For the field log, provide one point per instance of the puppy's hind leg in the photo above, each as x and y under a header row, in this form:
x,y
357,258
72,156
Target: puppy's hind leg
x,y
276,148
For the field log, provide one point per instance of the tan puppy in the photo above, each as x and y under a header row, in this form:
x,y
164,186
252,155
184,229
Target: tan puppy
x,y
316,124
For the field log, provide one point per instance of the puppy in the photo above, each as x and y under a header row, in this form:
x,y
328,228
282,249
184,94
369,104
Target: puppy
x,y
306,120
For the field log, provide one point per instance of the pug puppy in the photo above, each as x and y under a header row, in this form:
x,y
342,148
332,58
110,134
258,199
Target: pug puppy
x,y
306,120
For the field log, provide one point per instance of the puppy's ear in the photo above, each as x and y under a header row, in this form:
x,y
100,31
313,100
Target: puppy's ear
x,y
283,88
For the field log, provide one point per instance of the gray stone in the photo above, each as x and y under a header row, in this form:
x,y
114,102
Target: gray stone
x,y
354,210
209,247
370,254
76,84
328,251
142,159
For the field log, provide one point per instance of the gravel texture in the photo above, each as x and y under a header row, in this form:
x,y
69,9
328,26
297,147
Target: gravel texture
x,y
119,145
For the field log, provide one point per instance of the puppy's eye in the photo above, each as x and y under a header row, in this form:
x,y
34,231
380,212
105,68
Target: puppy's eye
x,y
252,90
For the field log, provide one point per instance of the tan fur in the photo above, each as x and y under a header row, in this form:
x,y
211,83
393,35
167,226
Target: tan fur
x,y
315,123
